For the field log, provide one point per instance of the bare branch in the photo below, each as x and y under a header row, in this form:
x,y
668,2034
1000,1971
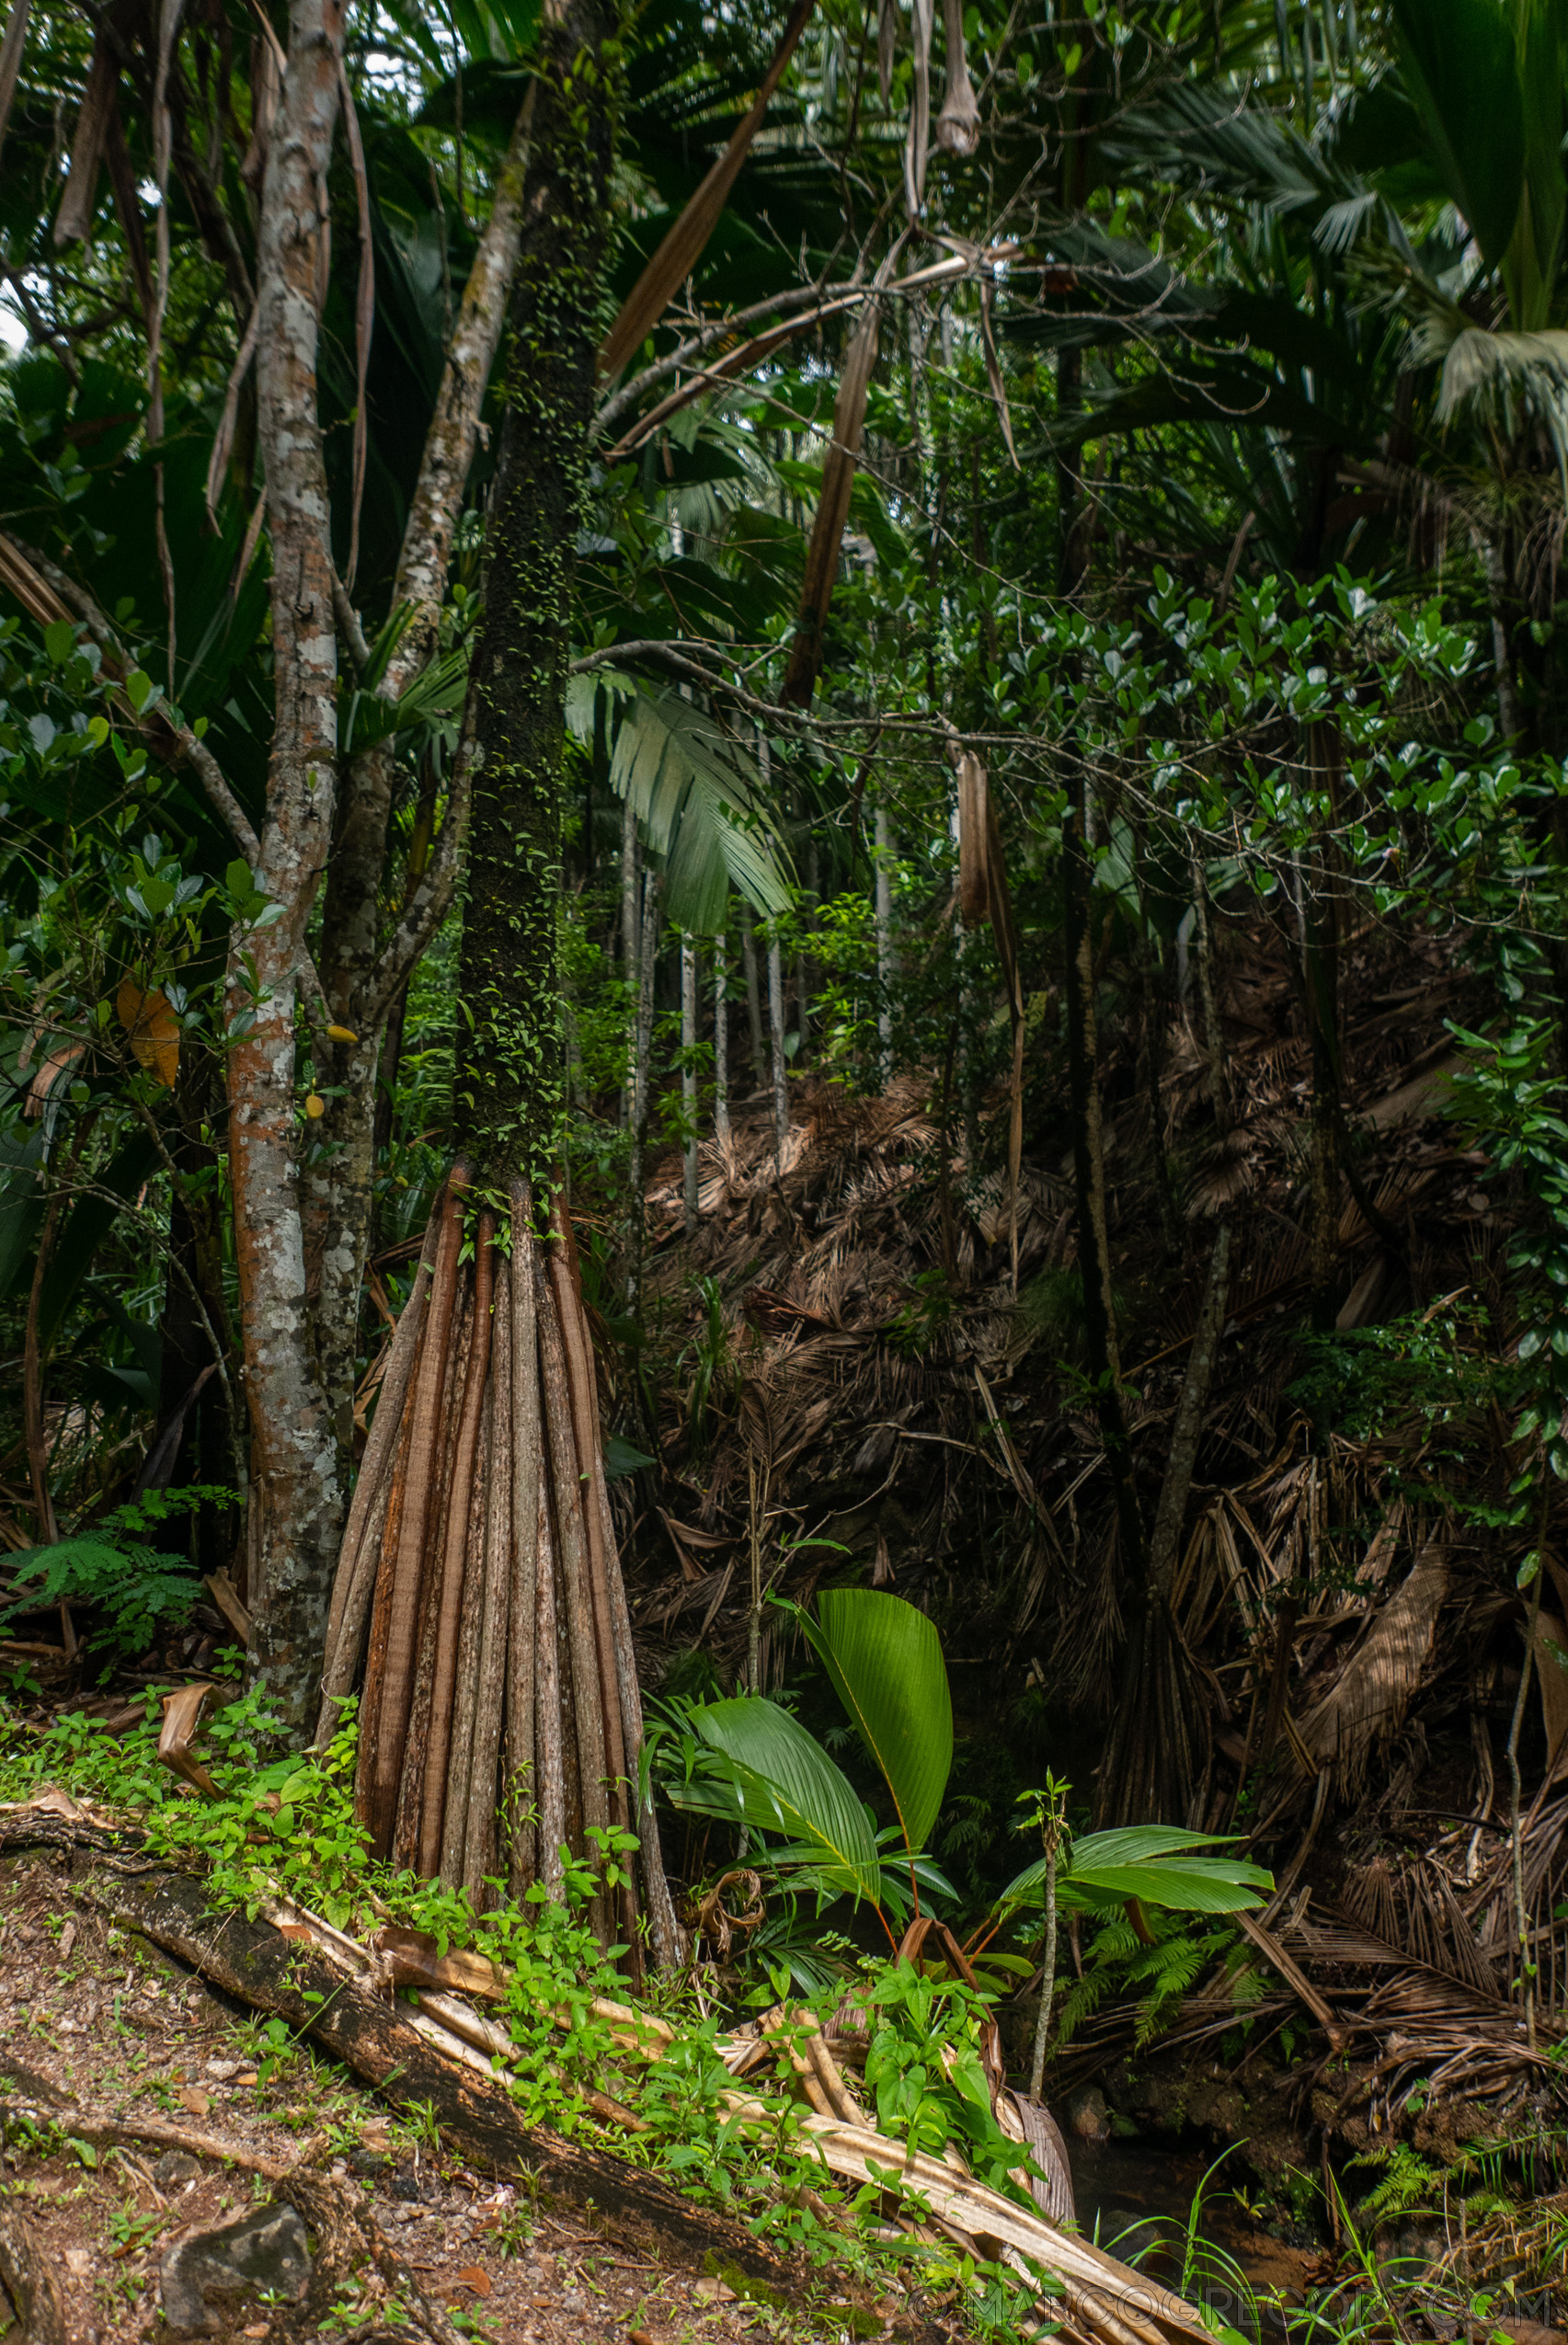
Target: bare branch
x,y
454,427
431,899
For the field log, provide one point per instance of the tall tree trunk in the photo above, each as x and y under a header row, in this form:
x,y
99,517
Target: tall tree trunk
x,y
642,1077
753,997
495,1534
887,952
776,1045
1147,1767
341,1182
1318,880
721,1043
1214,1041
689,1078
631,954
296,1454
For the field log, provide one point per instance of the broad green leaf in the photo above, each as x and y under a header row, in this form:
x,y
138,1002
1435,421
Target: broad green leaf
x,y
697,798
1460,69
884,1660
786,1784
1154,1863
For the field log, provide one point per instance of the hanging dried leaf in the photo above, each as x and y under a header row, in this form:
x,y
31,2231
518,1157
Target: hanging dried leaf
x,y
1373,1692
683,247
11,57
886,47
918,141
958,124
994,372
756,1421
224,440
182,1711
153,1030
74,217
48,1073
1551,1668
974,879
1031,2122
833,503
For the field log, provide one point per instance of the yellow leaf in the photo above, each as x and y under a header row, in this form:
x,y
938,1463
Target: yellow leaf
x,y
316,1105
342,1034
153,1030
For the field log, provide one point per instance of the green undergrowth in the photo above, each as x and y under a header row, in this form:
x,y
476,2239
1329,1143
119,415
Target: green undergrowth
x,y
289,1829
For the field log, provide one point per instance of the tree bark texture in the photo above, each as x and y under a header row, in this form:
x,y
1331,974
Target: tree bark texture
x,y
501,1718
295,1455
721,1041
355,970
689,1081
1317,879
508,1094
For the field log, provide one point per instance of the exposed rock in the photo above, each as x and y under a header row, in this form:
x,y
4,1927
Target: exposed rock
x,y
175,2169
203,2276
1088,2116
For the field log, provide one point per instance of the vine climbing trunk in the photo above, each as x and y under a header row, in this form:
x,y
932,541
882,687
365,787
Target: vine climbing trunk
x,y
501,1718
364,973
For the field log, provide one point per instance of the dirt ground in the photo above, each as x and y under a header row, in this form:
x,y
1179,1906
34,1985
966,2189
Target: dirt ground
x,y
96,2025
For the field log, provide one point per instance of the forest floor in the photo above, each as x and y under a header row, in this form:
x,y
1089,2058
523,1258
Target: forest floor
x,y
100,2031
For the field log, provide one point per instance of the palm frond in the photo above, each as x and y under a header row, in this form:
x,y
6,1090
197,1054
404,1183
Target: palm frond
x,y
698,801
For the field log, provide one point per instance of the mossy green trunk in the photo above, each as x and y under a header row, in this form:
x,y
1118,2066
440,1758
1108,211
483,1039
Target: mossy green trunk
x,y
509,1093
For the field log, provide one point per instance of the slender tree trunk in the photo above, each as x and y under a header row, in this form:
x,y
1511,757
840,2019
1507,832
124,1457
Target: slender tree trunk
x,y
721,1043
1320,969
296,1451
886,953
642,1055
1153,1055
802,957
1214,1041
631,958
753,997
689,1078
776,1045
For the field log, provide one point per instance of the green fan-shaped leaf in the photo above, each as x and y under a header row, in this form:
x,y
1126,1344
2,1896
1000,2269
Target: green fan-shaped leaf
x,y
884,1660
697,798
786,1783
436,692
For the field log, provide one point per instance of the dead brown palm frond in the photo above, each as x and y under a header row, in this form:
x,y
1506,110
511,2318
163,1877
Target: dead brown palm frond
x,y
1373,1692
1410,1909
833,503
1226,1172
74,220
11,48
687,240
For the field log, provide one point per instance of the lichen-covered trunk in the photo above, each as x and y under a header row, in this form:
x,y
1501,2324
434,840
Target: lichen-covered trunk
x,y
296,1473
